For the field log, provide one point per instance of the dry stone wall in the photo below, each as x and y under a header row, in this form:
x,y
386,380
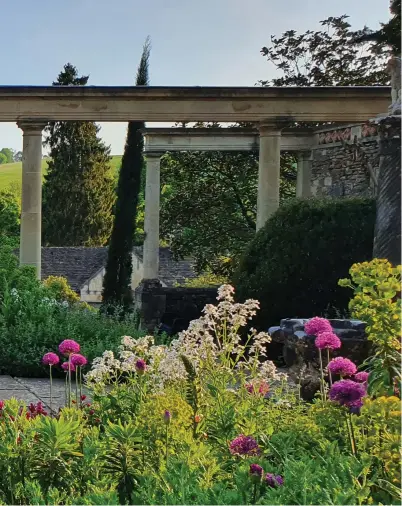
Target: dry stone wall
x,y
341,160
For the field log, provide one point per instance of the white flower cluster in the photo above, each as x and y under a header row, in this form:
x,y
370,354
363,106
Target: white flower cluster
x,y
212,340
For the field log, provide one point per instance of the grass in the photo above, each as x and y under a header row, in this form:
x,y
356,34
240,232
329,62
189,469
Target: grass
x,y
11,173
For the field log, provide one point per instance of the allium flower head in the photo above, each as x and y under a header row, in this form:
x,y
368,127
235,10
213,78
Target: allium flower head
x,y
355,407
328,340
346,392
69,346
65,365
50,359
244,445
361,377
317,325
342,366
167,416
273,480
256,472
78,360
140,366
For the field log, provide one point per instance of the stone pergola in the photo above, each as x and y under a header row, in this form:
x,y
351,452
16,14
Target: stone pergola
x,y
270,109
158,141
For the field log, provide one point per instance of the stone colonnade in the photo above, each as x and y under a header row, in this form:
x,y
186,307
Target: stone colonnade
x,y
268,180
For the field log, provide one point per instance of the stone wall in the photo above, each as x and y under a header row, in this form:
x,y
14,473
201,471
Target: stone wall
x,y
342,159
184,305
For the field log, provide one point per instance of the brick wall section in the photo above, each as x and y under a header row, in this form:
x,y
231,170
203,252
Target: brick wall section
x,y
339,165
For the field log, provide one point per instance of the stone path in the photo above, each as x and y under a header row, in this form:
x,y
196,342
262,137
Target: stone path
x,y
34,390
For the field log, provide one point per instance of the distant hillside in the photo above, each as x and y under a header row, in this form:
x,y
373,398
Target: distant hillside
x,y
10,173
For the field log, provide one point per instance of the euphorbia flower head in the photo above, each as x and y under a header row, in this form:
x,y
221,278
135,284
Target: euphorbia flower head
x,y
328,340
317,325
68,347
50,358
78,360
342,366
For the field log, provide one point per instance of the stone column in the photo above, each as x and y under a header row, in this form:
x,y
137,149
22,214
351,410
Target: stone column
x,y
31,197
151,217
303,183
268,172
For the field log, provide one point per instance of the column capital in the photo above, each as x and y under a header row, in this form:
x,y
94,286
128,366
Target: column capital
x,y
274,126
305,154
153,154
31,126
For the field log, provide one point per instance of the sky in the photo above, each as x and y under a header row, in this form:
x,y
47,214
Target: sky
x,y
194,42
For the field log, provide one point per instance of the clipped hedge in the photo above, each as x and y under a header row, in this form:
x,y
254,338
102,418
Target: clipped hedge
x,y
295,261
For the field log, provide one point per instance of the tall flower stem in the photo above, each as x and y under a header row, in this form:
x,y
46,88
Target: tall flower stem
x,y
167,444
350,433
80,374
322,375
254,494
76,387
69,381
51,385
329,372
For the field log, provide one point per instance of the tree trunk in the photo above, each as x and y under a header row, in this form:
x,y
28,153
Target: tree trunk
x,y
387,234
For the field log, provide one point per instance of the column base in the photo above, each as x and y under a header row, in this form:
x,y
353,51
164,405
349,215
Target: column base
x,y
150,302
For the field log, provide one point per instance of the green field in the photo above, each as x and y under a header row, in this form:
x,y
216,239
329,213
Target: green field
x,y
10,173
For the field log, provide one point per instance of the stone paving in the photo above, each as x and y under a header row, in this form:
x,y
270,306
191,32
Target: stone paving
x,y
29,390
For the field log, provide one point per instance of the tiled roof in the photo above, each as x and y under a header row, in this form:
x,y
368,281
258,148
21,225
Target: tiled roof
x,y
79,264
171,271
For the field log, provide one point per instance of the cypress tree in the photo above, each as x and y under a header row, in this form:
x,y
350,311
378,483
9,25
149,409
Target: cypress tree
x,y
78,192
117,280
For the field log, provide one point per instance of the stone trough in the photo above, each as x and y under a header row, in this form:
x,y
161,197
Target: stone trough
x,y
294,347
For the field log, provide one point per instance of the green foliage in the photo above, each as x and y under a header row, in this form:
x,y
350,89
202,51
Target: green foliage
x,y
377,301
328,57
117,279
206,279
8,154
295,261
9,215
78,193
35,319
209,202
60,289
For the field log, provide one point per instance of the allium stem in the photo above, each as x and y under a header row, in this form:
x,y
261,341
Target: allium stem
x,y
254,500
80,380
350,433
76,386
69,381
167,444
51,384
322,376
329,372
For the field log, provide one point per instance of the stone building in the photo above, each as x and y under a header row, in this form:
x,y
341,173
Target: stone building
x,y
84,269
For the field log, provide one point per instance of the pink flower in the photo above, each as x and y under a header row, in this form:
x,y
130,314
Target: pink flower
x,y
262,388
78,360
361,377
327,340
140,366
69,346
273,481
347,392
317,325
1,405
167,415
50,359
65,365
342,366
244,445
255,472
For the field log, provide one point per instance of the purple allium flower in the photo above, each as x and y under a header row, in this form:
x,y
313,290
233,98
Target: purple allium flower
x,y
78,360
355,407
50,358
255,472
317,325
167,416
342,366
327,340
347,392
361,377
69,346
65,365
273,481
244,445
140,366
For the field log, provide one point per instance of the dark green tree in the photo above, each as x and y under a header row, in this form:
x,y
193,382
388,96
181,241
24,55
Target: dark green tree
x,y
78,193
9,154
117,280
209,204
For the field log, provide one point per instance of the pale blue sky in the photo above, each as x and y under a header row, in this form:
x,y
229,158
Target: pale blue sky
x,y
194,42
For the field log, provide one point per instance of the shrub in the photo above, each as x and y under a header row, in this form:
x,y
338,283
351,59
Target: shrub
x,y
293,265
